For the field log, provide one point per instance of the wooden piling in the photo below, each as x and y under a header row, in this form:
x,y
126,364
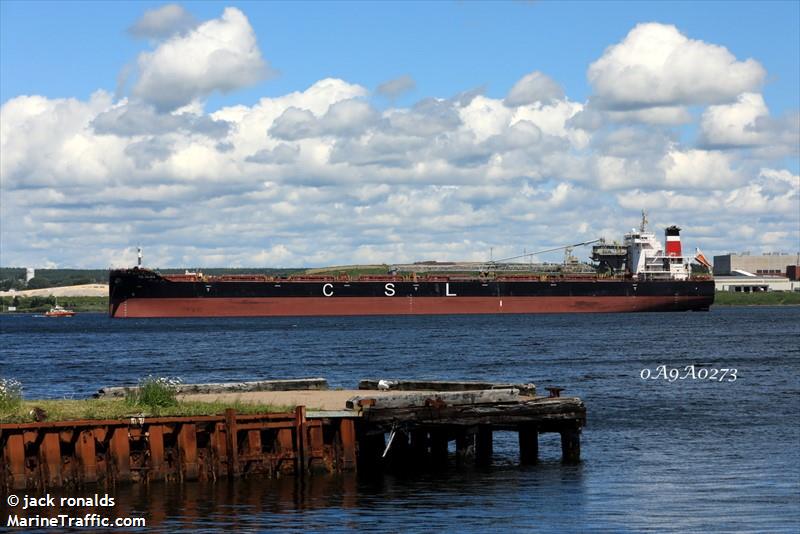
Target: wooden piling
x,y
528,444
571,445
419,443
465,445
483,446
439,447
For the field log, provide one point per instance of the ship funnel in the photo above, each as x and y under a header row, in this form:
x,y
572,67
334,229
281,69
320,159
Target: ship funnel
x,y
673,238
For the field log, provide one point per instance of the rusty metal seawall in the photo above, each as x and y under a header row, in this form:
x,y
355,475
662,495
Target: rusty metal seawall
x,y
75,453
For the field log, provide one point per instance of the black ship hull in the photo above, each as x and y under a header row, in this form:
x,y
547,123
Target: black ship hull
x,y
144,293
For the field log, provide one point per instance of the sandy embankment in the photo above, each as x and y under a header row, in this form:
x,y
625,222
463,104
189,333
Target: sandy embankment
x,y
329,399
85,290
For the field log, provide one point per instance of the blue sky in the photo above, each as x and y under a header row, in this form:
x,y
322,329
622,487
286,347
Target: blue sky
x,y
74,48
65,52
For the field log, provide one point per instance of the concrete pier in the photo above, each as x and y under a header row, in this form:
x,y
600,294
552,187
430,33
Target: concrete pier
x,y
343,431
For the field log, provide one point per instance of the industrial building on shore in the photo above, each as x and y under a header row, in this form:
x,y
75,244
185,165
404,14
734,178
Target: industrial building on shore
x,y
746,273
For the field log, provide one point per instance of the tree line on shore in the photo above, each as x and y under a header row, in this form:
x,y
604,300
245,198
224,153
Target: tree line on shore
x,y
43,304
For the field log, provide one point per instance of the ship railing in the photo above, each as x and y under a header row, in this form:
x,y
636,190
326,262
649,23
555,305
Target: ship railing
x,y
659,276
434,278
522,278
241,278
312,278
181,277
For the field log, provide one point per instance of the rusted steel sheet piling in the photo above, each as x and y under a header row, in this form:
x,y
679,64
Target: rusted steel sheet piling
x,y
75,453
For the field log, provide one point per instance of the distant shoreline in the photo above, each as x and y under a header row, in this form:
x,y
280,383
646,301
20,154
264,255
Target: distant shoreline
x,y
767,298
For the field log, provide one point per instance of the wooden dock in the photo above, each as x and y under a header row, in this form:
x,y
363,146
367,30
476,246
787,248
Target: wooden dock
x,y
403,424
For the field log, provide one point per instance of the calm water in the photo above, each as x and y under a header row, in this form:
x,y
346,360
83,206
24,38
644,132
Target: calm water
x,y
691,455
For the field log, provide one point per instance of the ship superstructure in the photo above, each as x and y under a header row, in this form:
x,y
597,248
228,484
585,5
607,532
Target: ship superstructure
x,y
643,257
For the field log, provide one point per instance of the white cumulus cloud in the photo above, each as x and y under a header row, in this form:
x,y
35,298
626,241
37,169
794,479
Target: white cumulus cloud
x,y
748,123
219,55
734,124
656,66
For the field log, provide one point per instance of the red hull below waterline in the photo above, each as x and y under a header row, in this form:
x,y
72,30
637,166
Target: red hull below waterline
x,y
327,306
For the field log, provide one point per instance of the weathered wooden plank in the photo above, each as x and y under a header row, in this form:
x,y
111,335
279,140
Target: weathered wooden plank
x,y
434,399
564,409
442,385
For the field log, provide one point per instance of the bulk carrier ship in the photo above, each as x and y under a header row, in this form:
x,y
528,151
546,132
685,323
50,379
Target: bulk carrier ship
x,y
634,276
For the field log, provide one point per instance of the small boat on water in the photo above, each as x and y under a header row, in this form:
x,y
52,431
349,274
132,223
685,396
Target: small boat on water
x,y
59,311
